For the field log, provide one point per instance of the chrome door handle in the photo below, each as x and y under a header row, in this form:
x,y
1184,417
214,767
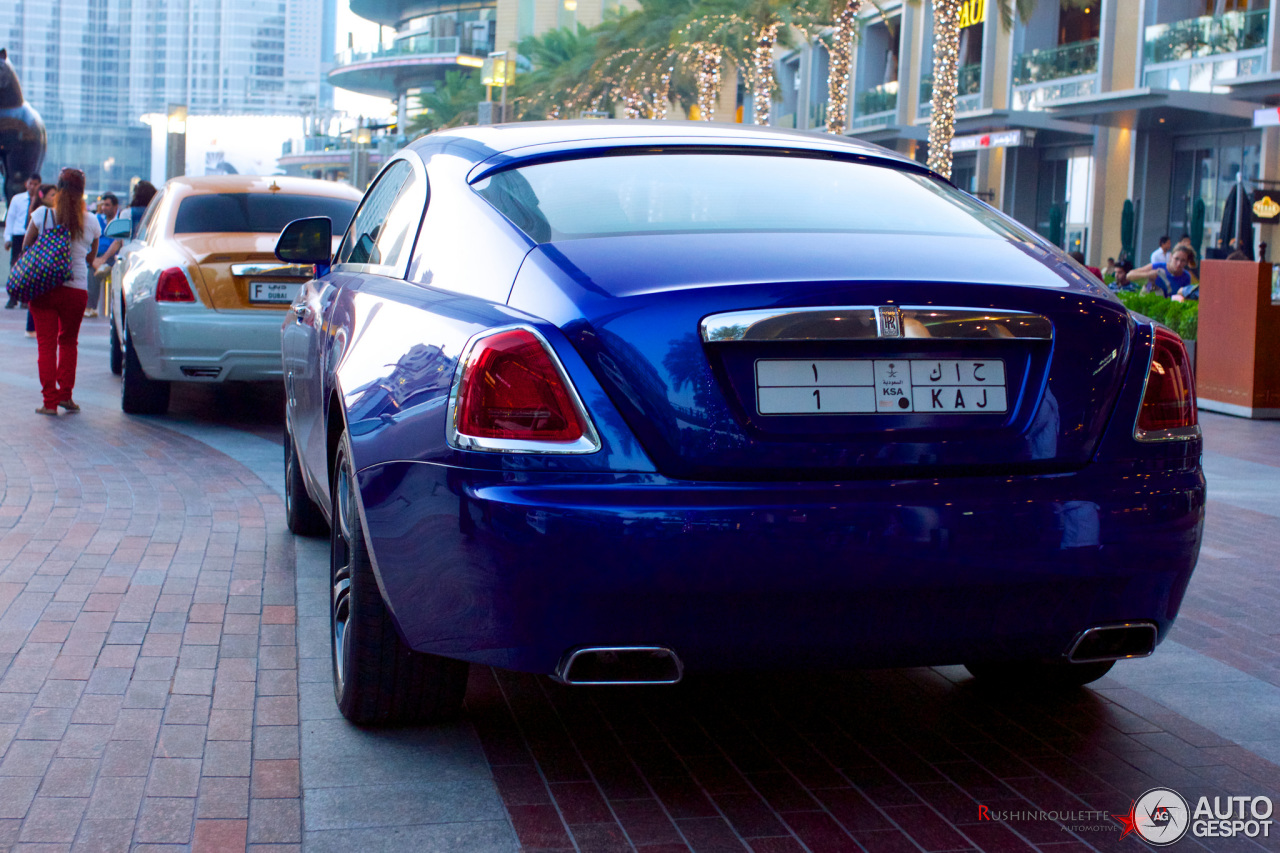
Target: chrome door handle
x,y
302,313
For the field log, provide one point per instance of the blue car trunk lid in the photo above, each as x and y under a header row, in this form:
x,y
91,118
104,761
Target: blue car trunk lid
x,y
654,318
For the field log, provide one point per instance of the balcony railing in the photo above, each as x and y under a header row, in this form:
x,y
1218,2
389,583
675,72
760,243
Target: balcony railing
x,y
878,100
1055,63
1211,35
418,46
969,82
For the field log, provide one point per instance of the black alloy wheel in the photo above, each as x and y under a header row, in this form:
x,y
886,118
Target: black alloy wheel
x,y
301,513
377,679
138,394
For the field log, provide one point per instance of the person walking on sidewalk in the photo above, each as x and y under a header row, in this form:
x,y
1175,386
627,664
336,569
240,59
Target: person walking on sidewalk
x,y
43,198
108,208
59,313
15,223
143,193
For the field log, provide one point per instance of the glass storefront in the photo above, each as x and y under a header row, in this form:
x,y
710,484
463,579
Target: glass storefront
x,y
1207,167
1064,193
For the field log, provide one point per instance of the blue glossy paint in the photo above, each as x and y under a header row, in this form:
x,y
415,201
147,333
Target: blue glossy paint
x,y
512,569
737,539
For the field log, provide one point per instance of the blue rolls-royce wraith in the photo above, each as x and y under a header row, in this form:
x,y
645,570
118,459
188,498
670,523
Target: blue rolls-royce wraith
x,y
615,400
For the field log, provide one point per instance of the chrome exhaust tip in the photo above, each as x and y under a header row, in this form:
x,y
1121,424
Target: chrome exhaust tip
x,y
619,665
1113,642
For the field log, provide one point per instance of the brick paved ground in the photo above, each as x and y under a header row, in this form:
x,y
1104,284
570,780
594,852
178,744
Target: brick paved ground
x,y
150,693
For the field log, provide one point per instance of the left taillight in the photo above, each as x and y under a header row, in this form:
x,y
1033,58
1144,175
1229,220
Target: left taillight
x,y
1169,401
511,395
174,287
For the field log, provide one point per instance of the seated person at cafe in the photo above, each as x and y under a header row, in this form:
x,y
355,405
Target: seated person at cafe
x,y
1168,278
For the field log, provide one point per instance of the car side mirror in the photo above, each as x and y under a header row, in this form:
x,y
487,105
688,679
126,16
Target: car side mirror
x,y
306,241
119,229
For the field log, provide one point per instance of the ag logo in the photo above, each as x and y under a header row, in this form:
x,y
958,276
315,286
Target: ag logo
x,y
1160,816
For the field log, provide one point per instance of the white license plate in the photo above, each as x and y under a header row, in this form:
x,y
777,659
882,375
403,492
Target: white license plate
x,y
274,292
884,386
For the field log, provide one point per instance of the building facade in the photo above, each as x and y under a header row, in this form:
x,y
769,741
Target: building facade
x,y
94,68
432,37
1065,116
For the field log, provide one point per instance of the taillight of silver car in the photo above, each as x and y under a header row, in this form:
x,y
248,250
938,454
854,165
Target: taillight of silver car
x,y
1169,399
511,395
174,287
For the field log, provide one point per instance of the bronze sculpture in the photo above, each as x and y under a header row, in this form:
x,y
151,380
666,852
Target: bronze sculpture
x,y
22,135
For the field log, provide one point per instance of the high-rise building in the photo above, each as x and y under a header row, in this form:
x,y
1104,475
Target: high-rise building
x,y
93,68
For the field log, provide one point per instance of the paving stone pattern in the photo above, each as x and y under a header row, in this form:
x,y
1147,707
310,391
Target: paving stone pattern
x,y
147,642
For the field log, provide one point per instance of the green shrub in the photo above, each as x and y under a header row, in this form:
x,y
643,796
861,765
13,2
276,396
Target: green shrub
x,y
1182,317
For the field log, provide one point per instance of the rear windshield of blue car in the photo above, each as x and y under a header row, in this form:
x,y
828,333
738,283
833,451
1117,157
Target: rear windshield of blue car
x,y
717,192
260,213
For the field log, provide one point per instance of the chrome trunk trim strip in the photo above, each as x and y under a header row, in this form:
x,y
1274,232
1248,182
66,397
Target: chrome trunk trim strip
x,y
269,270
871,322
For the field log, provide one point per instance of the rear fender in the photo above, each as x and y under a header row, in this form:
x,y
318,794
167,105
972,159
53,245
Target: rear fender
x,y
400,345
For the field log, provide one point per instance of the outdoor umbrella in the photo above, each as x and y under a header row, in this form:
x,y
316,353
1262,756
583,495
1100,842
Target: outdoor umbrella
x,y
1237,220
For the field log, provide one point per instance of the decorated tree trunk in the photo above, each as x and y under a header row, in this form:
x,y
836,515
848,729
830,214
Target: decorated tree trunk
x,y
762,59
709,61
946,62
841,51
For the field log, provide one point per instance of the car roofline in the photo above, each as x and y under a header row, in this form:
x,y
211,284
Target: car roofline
x,y
524,141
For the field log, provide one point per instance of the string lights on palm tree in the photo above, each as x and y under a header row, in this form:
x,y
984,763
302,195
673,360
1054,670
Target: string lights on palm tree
x,y
762,72
840,62
710,58
946,60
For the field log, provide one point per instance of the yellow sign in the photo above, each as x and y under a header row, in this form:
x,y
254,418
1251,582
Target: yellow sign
x,y
496,71
972,12
1266,208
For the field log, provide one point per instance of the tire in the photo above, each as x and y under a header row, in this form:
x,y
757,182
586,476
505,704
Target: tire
x,y
301,513
138,394
1039,676
377,679
117,357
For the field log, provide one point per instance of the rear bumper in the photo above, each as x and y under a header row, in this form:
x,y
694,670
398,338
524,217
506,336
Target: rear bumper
x,y
513,570
191,343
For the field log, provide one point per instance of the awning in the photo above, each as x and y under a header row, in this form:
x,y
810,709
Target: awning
x,y
1166,109
1259,88
887,133
976,121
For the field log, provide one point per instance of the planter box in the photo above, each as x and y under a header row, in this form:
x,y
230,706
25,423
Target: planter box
x,y
1239,371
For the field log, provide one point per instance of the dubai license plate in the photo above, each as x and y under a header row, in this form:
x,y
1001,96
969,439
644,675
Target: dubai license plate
x,y
880,386
273,292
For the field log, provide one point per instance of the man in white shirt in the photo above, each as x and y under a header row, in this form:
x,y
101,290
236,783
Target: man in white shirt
x,y
15,223
1161,255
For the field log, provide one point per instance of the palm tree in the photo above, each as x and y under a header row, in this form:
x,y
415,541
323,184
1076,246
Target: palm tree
x,y
946,66
561,82
638,56
452,103
840,17
748,30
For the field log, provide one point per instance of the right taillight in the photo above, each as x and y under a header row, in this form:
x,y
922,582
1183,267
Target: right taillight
x,y
1169,402
511,395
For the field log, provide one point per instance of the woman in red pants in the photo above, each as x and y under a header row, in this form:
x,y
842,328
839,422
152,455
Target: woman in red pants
x,y
58,313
